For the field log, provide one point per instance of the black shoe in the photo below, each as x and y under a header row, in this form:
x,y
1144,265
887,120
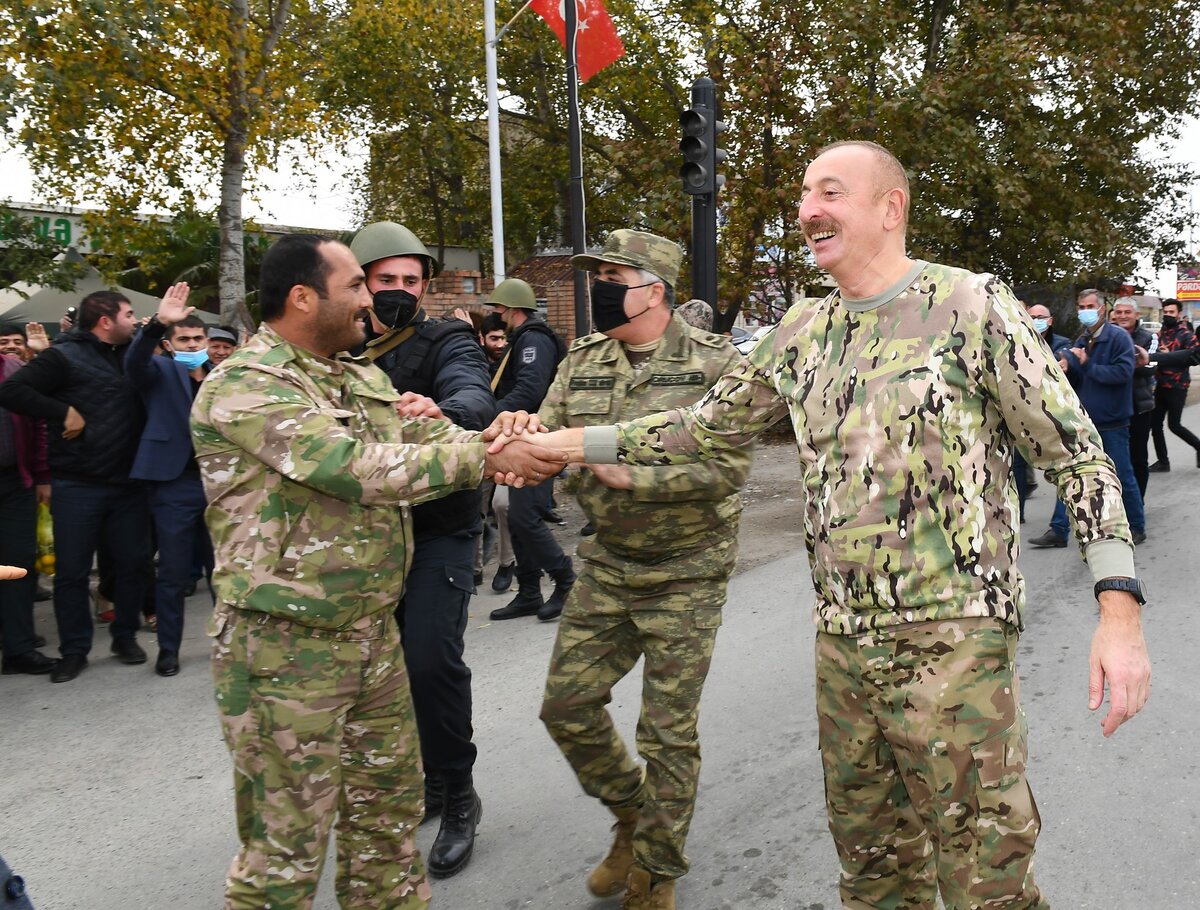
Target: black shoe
x,y
43,594
39,641
128,651
554,518
68,667
167,663
587,530
1162,466
455,840
1029,488
504,578
563,582
527,602
34,662
478,579
1139,537
435,795
190,589
1049,539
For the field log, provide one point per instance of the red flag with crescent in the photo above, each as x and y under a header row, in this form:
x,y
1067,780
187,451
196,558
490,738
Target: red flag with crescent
x,y
597,44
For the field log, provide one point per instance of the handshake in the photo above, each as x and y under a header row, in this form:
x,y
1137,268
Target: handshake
x,y
522,452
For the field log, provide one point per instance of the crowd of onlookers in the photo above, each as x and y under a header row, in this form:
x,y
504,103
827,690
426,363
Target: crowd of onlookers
x,y
94,426
1131,382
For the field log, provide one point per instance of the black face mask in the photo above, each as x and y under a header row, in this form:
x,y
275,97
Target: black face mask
x,y
608,304
394,308
1169,322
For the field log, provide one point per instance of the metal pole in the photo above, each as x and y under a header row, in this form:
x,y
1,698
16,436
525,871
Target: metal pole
x,y
489,34
575,143
704,216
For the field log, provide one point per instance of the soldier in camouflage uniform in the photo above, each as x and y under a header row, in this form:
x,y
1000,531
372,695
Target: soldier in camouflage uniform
x,y
655,573
908,388
305,462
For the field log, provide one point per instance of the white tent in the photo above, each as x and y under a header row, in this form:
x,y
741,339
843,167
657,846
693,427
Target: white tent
x,y
24,303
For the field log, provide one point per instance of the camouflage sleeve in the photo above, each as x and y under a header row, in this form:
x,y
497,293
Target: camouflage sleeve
x,y
722,476
278,424
429,431
1043,414
742,403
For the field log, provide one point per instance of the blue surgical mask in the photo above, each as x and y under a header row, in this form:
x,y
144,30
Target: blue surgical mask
x,y
1041,325
191,359
1088,318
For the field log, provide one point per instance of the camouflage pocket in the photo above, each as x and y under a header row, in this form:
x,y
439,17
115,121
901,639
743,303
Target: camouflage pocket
x,y
706,618
1000,760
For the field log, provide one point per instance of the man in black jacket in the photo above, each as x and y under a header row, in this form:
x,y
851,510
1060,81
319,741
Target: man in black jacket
x,y
523,378
1125,314
94,418
441,365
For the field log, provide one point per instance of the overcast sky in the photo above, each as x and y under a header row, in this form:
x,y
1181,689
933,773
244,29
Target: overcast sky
x,y
327,202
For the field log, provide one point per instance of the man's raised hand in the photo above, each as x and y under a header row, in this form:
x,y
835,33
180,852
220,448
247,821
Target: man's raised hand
x,y
173,307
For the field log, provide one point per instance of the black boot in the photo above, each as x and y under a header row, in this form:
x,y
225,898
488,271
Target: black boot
x,y
455,840
528,600
435,795
564,579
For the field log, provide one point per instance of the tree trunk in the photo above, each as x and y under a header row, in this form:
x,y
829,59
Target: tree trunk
x,y
231,269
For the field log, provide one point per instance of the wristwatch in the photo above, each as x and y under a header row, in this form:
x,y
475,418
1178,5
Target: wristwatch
x,y
1128,585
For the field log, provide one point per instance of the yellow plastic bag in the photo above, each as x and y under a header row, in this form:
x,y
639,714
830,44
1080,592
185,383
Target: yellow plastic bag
x,y
44,564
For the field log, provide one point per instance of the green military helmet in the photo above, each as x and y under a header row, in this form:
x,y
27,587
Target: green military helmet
x,y
514,294
657,255
385,239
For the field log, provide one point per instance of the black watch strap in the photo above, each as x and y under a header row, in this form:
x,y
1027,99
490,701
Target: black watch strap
x,y
1128,585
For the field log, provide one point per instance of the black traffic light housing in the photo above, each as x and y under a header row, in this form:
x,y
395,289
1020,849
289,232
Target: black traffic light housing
x,y
699,147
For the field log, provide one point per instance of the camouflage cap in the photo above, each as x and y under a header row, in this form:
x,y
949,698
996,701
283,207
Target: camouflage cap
x,y
655,254
697,313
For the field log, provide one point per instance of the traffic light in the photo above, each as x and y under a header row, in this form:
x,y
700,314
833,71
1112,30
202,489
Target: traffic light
x,y
700,153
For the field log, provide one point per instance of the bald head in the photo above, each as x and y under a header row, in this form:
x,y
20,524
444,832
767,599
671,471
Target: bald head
x,y
888,171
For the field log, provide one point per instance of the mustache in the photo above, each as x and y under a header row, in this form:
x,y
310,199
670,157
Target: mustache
x,y
817,226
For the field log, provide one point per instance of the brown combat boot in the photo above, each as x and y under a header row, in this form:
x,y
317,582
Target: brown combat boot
x,y
609,877
640,896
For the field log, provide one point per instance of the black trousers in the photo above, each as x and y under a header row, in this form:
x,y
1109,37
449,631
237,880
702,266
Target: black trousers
x,y
1168,403
433,618
533,545
1140,426
18,547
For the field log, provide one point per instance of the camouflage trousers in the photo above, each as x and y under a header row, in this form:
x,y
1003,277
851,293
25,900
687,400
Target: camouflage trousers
x,y
319,726
923,743
618,611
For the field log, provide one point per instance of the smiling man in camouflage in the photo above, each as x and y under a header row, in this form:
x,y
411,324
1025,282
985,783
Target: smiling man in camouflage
x,y
311,474
908,387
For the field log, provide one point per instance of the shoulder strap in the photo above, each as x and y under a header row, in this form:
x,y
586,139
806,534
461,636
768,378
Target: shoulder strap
x,y
500,369
384,343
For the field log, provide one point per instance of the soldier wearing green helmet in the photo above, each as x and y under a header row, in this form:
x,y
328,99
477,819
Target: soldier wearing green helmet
x,y
521,381
440,360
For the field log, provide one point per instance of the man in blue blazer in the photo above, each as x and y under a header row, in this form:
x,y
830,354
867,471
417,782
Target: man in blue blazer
x,y
168,384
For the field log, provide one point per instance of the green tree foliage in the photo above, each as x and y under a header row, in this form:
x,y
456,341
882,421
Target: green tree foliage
x,y
151,104
1026,126
31,254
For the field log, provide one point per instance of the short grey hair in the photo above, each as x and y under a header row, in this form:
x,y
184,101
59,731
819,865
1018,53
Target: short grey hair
x,y
1101,297
648,277
1125,301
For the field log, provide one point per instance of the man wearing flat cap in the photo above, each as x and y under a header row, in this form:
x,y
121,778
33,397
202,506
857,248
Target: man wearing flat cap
x,y
654,575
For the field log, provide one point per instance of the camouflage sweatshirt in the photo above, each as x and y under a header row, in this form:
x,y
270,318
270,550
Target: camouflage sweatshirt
x,y
309,474
906,408
669,511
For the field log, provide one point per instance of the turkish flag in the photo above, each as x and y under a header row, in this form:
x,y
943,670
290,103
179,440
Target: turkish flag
x,y
597,44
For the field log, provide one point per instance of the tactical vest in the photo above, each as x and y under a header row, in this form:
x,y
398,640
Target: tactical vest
x,y
410,366
109,404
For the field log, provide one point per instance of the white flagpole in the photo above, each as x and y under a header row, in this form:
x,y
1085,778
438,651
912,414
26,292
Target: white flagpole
x,y
489,34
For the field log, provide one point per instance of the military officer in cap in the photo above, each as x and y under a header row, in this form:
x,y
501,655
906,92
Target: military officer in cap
x,y
654,575
520,383
440,360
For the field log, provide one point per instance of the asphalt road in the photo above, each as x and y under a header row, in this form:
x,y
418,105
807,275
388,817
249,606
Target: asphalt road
x,y
115,791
